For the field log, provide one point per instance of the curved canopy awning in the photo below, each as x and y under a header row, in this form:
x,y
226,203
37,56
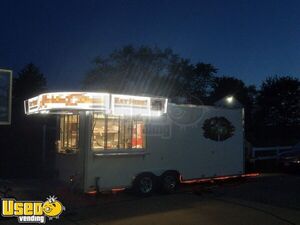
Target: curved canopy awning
x,y
112,104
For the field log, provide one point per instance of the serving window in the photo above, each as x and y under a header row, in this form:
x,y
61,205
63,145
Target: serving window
x,y
68,134
117,133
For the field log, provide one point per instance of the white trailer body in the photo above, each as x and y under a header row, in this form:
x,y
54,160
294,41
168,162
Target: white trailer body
x,y
195,141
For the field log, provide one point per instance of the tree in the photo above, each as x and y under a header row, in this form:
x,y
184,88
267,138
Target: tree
x,y
278,110
146,70
200,79
225,86
132,70
30,82
21,142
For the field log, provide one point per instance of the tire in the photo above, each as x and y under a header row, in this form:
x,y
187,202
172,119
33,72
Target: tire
x,y
169,182
145,184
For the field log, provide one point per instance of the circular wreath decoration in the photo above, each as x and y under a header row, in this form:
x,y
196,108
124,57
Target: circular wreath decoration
x,y
218,129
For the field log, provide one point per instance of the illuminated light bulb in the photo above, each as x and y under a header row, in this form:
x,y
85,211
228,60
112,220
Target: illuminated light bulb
x,y
229,99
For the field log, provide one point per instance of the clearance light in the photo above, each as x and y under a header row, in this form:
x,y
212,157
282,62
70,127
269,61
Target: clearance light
x,y
194,181
250,175
117,190
211,180
91,192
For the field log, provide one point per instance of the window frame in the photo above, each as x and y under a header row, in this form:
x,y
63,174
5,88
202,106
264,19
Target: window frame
x,y
63,134
119,150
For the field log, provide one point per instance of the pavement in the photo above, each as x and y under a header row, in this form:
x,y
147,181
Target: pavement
x,y
269,199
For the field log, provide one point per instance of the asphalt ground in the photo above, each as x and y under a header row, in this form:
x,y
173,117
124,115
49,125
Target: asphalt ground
x,y
267,199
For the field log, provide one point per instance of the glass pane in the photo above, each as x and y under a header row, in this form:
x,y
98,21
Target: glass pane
x,y
73,132
112,133
122,134
98,139
134,134
128,133
61,133
138,134
140,137
69,132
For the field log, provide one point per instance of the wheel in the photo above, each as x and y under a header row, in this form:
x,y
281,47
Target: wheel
x,y
169,182
145,184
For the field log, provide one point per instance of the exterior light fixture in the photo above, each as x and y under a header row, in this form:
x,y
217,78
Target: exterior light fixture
x,y
229,99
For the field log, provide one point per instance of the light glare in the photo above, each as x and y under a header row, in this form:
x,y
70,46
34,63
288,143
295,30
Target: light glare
x,y
229,99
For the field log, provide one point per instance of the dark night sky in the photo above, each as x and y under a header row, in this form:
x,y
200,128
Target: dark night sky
x,y
246,39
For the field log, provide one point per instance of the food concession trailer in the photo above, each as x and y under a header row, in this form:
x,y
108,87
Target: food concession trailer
x,y
108,141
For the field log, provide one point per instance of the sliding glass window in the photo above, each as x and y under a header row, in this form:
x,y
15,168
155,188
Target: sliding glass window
x,y
117,133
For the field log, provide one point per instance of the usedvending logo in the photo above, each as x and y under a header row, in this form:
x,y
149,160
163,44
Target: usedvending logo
x,y
32,211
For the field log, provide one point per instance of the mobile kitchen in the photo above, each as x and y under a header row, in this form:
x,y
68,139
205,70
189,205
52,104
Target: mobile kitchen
x,y
108,141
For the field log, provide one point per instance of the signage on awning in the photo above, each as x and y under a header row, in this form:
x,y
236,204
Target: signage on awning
x,y
66,101
130,105
113,104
